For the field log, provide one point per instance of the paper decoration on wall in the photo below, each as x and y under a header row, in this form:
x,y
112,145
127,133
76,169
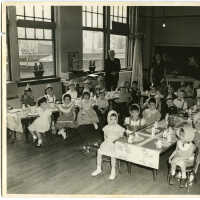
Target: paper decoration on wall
x,y
74,61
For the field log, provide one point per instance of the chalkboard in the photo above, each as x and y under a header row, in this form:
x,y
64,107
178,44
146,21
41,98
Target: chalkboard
x,y
181,60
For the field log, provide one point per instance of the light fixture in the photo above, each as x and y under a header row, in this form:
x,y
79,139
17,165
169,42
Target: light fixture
x,y
164,19
164,24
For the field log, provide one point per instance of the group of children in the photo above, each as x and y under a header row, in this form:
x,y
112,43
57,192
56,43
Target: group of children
x,y
94,108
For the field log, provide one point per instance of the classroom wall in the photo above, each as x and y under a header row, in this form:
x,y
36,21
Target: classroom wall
x,y
182,28
69,35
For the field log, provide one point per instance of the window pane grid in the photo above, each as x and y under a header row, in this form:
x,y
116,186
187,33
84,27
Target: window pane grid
x,y
36,45
35,13
91,16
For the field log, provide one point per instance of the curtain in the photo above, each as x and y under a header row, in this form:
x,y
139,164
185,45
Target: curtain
x,y
137,69
137,64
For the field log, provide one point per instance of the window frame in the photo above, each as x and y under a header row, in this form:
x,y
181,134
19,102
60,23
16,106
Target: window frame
x,y
39,25
8,48
114,33
126,49
96,29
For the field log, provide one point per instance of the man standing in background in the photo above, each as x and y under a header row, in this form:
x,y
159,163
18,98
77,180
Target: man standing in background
x,y
112,68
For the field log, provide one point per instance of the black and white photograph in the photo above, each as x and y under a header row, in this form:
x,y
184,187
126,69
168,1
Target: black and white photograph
x,y
100,99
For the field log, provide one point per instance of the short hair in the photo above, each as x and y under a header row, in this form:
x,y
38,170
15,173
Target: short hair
x,y
42,100
152,100
85,93
67,95
134,107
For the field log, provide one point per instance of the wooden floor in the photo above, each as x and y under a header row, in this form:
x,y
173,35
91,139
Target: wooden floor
x,y
59,167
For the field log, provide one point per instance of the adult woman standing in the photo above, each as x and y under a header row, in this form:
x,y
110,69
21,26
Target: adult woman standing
x,y
112,68
157,74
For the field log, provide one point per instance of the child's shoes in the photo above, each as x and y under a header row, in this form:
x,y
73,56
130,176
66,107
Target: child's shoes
x,y
63,133
34,139
112,175
178,175
39,144
172,179
95,126
182,183
96,172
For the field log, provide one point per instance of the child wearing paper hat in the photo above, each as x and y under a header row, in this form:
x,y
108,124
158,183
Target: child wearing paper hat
x,y
27,98
49,94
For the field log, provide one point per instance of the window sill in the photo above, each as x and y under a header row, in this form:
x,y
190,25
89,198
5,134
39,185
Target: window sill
x,y
38,81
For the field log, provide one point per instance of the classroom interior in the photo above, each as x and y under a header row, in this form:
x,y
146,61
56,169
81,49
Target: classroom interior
x,y
57,47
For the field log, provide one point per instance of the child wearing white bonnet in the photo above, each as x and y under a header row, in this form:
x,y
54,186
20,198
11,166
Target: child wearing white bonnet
x,y
183,156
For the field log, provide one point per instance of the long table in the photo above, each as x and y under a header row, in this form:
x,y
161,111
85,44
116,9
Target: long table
x,y
144,152
18,120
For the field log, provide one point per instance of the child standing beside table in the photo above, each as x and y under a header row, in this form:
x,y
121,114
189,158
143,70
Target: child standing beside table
x,y
41,124
67,115
112,132
87,118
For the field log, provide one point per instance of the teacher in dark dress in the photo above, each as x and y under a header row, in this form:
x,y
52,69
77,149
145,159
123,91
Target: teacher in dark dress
x,y
112,68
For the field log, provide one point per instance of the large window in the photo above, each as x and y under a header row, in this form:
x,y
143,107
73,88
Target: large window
x,y
92,22
118,14
118,43
93,49
35,40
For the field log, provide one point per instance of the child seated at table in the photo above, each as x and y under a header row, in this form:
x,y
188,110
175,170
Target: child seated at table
x,y
96,93
102,102
41,124
101,108
86,87
170,92
134,121
180,102
183,156
72,91
27,98
87,114
49,94
151,114
66,118
112,132
171,109
135,93
189,94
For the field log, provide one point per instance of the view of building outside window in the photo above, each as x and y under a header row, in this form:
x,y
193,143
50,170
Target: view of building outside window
x,y
118,44
35,44
32,52
93,49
